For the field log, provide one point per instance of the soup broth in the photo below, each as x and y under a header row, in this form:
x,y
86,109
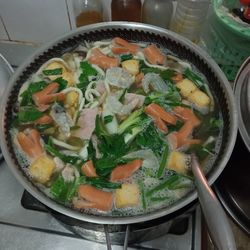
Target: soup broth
x,y
110,127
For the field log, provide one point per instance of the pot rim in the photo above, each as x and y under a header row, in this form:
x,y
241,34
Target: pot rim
x,y
130,219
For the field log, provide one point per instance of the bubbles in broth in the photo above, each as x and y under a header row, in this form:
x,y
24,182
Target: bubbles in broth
x,y
109,127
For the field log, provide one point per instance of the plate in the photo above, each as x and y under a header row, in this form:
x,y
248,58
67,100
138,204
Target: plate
x,y
5,72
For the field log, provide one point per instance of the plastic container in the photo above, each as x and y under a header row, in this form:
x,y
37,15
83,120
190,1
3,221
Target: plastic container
x,y
189,18
157,12
226,39
126,10
87,12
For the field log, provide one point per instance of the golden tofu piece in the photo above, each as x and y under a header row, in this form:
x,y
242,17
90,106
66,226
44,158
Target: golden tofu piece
x,y
186,87
178,162
42,169
199,98
66,74
71,99
127,196
132,66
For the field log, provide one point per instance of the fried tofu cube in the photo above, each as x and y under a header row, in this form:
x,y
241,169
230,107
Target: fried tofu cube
x,y
186,87
42,169
127,196
66,74
71,99
132,66
199,98
178,162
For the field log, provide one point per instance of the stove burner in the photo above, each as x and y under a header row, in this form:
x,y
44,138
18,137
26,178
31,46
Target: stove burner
x,y
139,232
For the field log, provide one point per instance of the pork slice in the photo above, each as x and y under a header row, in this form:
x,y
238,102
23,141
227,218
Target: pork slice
x,y
86,123
134,98
100,87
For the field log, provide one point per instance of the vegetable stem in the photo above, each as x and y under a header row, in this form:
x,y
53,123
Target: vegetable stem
x,y
163,162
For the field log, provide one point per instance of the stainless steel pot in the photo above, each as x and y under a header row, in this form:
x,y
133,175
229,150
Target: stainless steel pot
x,y
183,48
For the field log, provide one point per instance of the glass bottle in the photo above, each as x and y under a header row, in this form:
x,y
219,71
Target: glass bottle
x,y
87,12
190,15
126,10
157,12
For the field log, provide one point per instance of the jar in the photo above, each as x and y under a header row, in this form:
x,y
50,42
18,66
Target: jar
x,y
190,15
157,12
126,10
87,12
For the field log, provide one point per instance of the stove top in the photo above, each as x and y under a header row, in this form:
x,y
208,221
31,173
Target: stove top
x,y
22,228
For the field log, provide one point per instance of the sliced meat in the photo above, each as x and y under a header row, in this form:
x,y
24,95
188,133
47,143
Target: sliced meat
x,y
131,97
86,122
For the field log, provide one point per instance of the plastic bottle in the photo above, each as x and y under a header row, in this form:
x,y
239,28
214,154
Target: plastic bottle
x,y
157,12
190,15
87,12
126,10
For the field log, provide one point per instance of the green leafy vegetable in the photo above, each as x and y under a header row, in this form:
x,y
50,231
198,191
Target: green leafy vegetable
x,y
109,144
33,88
102,183
52,72
62,83
151,138
168,100
87,71
165,185
126,57
104,166
108,118
28,114
163,162
65,158
133,120
43,127
64,191
196,79
143,198
112,148
202,151
176,127
167,75
146,69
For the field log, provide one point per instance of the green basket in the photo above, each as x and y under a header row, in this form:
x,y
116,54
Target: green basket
x,y
227,41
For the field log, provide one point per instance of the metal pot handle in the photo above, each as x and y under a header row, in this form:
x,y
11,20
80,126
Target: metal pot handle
x,y
216,219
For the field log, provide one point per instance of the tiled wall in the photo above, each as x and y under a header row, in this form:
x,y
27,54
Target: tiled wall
x,y
38,21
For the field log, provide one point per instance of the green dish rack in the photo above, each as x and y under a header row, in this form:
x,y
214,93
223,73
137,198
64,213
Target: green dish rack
x,y
227,39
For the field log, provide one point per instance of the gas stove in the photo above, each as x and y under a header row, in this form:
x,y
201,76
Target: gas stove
x,y
34,227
